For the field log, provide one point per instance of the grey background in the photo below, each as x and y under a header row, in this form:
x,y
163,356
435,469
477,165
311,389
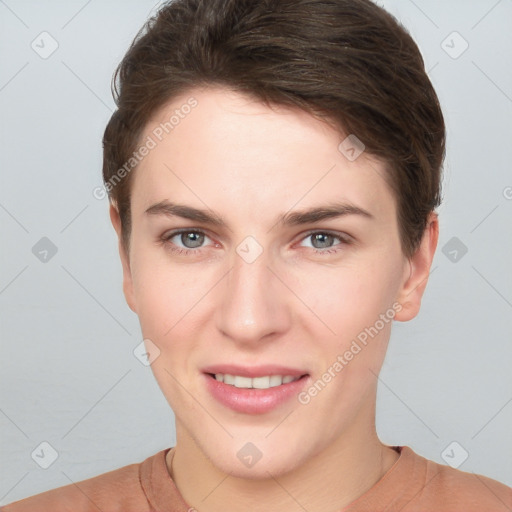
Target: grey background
x,y
68,373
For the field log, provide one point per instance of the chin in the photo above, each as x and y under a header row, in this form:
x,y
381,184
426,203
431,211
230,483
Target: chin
x,y
259,459
263,469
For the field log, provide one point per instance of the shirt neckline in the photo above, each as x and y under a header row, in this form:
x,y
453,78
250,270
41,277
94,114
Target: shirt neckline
x,y
393,488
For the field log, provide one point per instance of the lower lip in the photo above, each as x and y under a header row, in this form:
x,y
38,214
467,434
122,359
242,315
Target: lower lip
x,y
253,401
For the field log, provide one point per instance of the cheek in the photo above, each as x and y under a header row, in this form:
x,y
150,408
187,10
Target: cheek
x,y
170,297
169,300
165,299
350,298
351,302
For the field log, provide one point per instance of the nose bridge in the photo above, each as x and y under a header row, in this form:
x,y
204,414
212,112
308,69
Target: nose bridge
x,y
252,305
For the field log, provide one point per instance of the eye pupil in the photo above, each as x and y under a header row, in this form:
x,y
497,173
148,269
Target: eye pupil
x,y
322,238
195,238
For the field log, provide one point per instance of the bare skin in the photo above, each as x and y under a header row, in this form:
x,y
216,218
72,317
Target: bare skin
x,y
301,303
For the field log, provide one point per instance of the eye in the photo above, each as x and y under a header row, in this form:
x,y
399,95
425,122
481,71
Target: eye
x,y
191,240
322,241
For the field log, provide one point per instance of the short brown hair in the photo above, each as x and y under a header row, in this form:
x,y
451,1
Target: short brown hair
x,y
348,62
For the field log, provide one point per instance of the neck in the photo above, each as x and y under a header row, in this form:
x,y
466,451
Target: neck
x,y
331,480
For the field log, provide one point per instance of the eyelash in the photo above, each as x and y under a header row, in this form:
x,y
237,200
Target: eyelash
x,y
165,239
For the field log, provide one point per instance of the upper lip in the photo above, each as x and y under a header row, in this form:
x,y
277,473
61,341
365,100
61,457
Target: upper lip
x,y
254,371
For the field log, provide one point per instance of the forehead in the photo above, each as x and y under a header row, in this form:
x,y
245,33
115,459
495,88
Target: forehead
x,y
223,145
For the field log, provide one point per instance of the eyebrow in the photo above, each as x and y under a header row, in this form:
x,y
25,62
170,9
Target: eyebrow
x,y
294,218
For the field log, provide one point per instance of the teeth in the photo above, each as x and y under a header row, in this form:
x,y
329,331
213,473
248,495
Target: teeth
x,y
269,381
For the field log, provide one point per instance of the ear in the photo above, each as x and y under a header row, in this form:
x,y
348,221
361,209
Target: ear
x,y
411,291
125,260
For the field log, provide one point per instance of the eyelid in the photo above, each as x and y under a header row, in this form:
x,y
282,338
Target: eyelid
x,y
338,234
171,233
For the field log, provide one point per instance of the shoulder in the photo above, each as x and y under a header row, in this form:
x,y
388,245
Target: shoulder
x,y
444,488
119,490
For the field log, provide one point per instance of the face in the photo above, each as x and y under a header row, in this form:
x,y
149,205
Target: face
x,y
244,282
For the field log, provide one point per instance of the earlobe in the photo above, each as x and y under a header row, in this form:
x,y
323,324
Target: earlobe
x,y
125,261
413,287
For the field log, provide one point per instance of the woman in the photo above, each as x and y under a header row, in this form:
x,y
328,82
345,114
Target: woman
x,y
274,169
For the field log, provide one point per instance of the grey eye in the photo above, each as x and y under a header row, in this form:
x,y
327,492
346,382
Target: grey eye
x,y
322,239
191,239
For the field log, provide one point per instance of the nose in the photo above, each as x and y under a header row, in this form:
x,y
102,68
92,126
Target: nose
x,y
254,303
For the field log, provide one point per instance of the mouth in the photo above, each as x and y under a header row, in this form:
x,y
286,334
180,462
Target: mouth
x,y
254,390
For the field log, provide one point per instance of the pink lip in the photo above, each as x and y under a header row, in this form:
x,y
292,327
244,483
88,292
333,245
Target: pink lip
x,y
254,371
254,401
